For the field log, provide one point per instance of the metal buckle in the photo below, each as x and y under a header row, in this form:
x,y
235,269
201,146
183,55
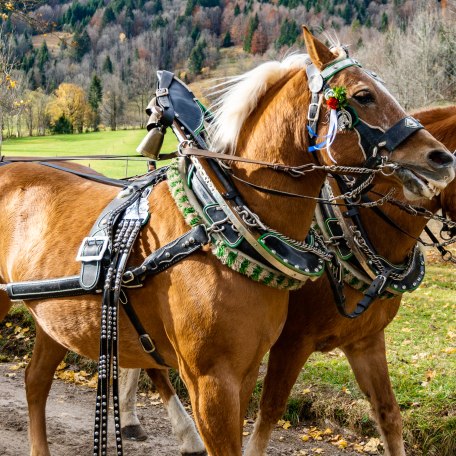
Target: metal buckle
x,y
86,241
312,117
382,284
145,339
128,277
161,92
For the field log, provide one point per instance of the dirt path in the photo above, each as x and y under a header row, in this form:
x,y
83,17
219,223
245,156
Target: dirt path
x,y
70,419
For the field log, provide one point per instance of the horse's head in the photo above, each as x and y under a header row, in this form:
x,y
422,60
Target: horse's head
x,y
375,128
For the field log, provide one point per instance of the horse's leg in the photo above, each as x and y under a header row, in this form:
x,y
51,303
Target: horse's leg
x,y
182,424
47,354
128,386
286,358
215,398
5,304
367,358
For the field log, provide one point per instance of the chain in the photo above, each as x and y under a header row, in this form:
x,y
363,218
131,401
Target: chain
x,y
419,211
375,259
252,220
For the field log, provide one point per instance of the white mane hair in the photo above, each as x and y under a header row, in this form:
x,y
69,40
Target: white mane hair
x,y
238,96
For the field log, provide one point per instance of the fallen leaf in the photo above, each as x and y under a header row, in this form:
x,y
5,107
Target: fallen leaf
x,y
304,438
372,445
245,433
341,443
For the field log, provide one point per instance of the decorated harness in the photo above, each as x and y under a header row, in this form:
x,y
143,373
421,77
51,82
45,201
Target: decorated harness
x,y
218,216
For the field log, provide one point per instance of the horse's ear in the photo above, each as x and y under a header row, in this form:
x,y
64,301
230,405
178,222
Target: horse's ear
x,y
318,52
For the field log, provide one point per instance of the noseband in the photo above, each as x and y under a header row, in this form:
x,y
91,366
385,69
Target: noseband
x,y
371,138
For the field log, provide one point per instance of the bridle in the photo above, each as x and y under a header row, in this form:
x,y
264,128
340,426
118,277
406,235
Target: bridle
x,y
372,139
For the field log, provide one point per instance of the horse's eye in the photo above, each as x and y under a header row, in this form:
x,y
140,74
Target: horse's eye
x,y
364,97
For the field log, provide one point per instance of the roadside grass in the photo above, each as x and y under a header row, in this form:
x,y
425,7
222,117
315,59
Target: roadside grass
x,y
421,343
120,142
421,351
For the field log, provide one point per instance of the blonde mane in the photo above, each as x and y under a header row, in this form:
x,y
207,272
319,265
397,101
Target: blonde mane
x,y
238,96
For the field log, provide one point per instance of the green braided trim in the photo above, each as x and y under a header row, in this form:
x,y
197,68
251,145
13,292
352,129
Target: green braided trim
x,y
253,270
232,258
176,187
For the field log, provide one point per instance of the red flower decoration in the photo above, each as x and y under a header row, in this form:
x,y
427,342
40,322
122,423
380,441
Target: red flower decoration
x,y
332,103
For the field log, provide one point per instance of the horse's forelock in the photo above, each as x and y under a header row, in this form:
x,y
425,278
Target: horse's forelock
x,y
239,96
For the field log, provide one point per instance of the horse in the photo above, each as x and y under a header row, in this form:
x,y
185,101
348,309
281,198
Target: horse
x,y
306,330
207,320
313,323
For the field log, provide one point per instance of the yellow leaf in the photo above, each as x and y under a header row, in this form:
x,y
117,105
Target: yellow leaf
x,y
372,445
306,391
327,431
304,438
62,365
449,350
286,425
342,443
8,325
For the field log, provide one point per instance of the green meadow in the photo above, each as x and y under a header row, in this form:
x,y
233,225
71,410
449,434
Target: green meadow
x,y
120,142
421,340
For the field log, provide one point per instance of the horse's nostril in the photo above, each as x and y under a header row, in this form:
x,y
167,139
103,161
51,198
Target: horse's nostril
x,y
440,159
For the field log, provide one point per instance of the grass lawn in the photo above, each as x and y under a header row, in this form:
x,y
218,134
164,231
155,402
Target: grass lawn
x,y
120,142
421,350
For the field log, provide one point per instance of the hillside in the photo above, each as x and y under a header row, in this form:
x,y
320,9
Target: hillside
x,y
123,42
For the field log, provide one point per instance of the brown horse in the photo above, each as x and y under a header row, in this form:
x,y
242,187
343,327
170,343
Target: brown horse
x,y
211,323
313,323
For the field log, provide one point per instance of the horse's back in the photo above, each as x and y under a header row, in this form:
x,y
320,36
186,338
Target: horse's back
x,y
441,123
45,215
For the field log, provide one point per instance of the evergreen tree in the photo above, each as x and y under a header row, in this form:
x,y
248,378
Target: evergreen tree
x,y
108,16
384,22
81,45
227,42
42,56
197,57
289,33
253,25
157,7
107,65
62,126
95,96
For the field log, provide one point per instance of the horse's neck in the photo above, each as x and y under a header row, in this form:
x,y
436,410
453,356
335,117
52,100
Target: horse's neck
x,y
389,241
275,132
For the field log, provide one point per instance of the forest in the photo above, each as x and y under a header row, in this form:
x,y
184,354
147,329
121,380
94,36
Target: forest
x,y
72,67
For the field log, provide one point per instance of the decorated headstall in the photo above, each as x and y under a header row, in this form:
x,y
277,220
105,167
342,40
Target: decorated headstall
x,y
344,117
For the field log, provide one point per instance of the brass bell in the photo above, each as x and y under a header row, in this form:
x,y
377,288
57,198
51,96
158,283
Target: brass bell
x,y
151,144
